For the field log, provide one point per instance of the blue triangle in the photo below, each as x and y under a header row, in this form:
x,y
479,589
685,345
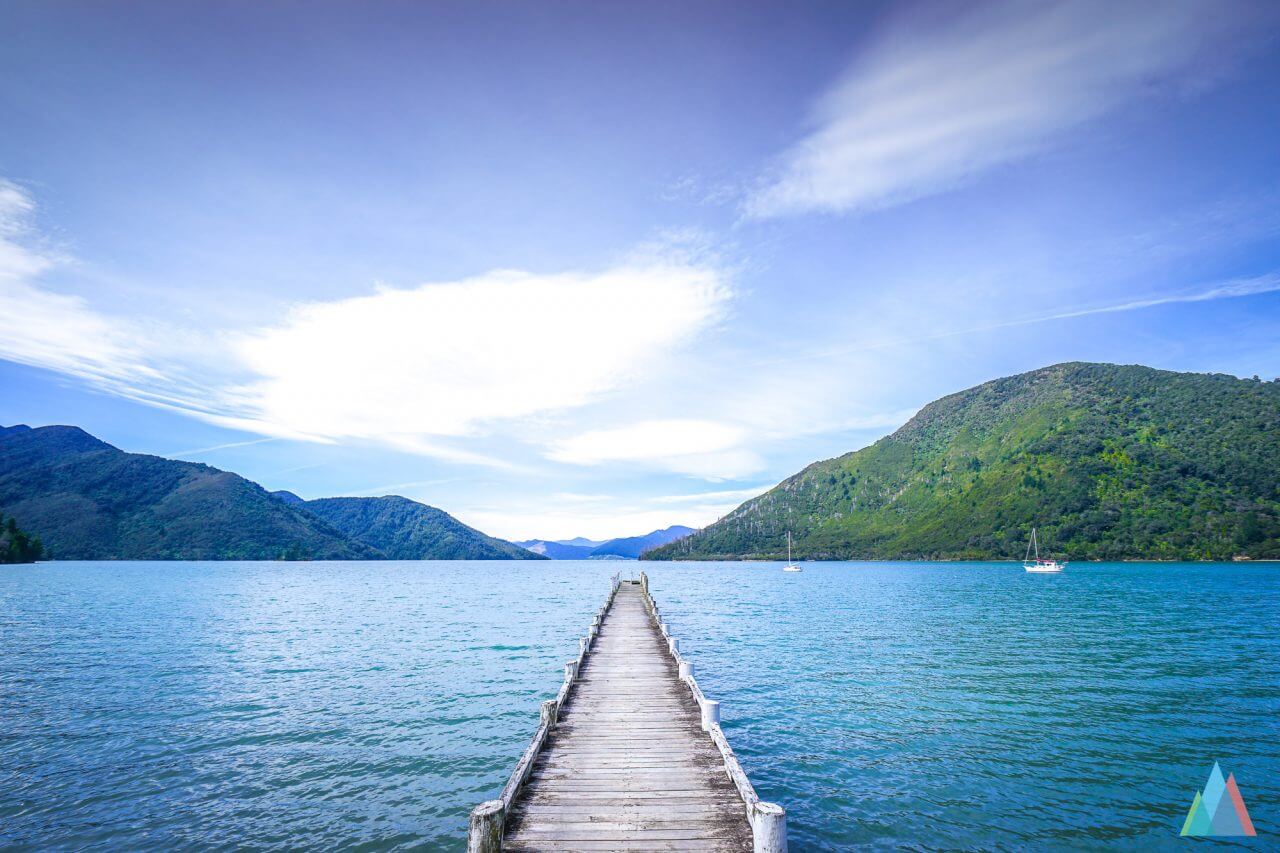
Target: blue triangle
x,y
1214,789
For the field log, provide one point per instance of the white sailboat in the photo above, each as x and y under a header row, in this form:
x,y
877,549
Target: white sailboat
x,y
790,566
1038,565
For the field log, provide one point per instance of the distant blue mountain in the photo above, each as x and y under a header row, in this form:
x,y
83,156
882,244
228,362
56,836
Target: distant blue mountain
x,y
633,546
582,542
627,548
557,550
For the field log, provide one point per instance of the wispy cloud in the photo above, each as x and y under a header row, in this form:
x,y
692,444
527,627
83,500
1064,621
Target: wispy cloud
x,y
295,469
702,448
388,488
197,451
713,497
1231,289
53,330
931,104
418,369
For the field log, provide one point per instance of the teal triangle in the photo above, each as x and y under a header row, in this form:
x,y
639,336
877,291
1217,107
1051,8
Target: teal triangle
x,y
1201,822
1214,789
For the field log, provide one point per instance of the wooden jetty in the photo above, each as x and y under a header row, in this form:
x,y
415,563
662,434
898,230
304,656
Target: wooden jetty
x,y
629,755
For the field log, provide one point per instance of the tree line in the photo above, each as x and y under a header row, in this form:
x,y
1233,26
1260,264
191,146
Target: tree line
x,y
16,546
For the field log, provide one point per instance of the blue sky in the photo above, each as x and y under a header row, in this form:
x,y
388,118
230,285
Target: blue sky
x,y
592,269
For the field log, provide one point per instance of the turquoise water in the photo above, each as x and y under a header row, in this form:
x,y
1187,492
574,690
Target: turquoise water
x,y
327,705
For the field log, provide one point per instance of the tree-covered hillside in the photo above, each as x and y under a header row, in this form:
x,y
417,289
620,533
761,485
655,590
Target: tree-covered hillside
x,y
402,529
87,500
1108,461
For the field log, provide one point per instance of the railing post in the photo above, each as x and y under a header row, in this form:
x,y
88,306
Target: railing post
x,y
583,642
571,671
485,833
686,670
673,645
550,713
644,583
768,828
710,714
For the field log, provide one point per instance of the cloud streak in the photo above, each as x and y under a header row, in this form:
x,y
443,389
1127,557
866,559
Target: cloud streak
x,y
933,104
53,330
228,446
1230,289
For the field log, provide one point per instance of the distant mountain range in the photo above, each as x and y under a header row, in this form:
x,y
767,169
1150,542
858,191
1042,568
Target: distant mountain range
x,y
1108,461
628,548
87,500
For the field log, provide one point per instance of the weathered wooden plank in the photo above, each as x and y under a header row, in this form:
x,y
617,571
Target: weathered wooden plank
x,y
595,830
621,844
627,765
559,794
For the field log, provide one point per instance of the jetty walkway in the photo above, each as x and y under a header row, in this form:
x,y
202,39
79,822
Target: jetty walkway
x,y
629,755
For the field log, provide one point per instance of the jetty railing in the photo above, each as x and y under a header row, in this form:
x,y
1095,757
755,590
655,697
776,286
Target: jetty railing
x,y
487,819
768,821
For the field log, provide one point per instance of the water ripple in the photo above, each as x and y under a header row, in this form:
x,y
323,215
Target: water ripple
x,y
153,706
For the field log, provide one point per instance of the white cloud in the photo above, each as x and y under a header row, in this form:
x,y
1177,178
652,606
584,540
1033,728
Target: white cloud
x,y
701,448
442,359
932,104
419,369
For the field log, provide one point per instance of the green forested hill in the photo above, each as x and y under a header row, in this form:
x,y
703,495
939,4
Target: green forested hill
x,y
406,530
1108,461
87,500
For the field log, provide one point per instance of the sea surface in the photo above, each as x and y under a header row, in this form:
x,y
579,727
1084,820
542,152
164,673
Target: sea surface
x,y
162,706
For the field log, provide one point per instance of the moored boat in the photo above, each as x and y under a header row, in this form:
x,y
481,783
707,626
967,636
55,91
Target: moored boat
x,y
1039,566
790,566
